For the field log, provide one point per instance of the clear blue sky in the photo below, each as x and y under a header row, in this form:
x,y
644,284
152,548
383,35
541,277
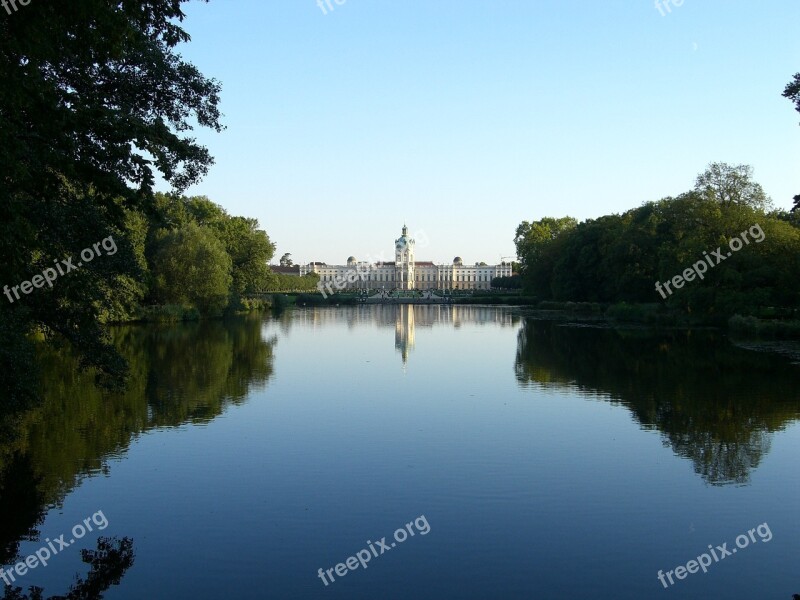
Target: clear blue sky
x,y
463,118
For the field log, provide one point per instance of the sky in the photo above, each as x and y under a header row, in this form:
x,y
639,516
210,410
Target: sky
x,y
464,118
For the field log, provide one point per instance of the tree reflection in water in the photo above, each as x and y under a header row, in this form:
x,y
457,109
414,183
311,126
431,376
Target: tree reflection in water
x,y
714,403
181,373
108,565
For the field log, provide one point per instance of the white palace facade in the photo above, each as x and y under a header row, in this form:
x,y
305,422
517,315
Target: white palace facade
x,y
406,273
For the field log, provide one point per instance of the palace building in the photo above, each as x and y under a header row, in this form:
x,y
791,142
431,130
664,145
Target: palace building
x,y
406,273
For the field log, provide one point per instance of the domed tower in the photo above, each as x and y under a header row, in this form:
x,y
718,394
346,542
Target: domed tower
x,y
351,262
404,261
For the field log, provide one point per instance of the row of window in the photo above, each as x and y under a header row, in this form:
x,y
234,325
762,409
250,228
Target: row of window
x,y
420,278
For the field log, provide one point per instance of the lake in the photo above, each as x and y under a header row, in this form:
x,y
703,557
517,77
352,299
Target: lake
x,y
452,451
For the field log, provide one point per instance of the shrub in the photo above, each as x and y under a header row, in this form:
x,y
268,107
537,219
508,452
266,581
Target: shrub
x,y
167,313
748,325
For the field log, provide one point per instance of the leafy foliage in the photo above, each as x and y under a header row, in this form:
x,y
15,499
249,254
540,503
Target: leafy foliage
x,y
280,282
248,248
618,258
728,184
94,102
507,283
537,246
192,267
792,92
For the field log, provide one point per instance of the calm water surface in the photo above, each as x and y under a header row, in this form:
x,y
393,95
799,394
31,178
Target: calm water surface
x,y
549,461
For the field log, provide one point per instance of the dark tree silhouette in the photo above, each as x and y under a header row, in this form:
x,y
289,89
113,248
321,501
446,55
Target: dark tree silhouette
x,y
95,102
108,565
21,497
792,92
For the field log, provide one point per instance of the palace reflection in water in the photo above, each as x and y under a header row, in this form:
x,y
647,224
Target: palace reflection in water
x,y
405,318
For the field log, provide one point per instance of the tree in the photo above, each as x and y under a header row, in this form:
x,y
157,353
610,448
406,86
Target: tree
x,y
286,260
94,102
792,92
514,282
582,263
729,184
618,258
250,250
280,282
248,247
536,247
191,266
532,238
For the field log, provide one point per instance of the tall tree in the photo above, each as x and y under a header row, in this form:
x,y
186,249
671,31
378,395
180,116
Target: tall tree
x,y
192,267
792,92
532,238
536,244
94,102
732,184
249,247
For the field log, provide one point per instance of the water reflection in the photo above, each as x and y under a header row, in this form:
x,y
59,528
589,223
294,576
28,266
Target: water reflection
x,y
22,501
404,330
715,404
187,373
405,318
108,565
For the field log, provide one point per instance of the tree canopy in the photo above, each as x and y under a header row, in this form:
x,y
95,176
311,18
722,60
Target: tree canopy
x,y
192,267
95,102
198,256
618,258
732,184
792,92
